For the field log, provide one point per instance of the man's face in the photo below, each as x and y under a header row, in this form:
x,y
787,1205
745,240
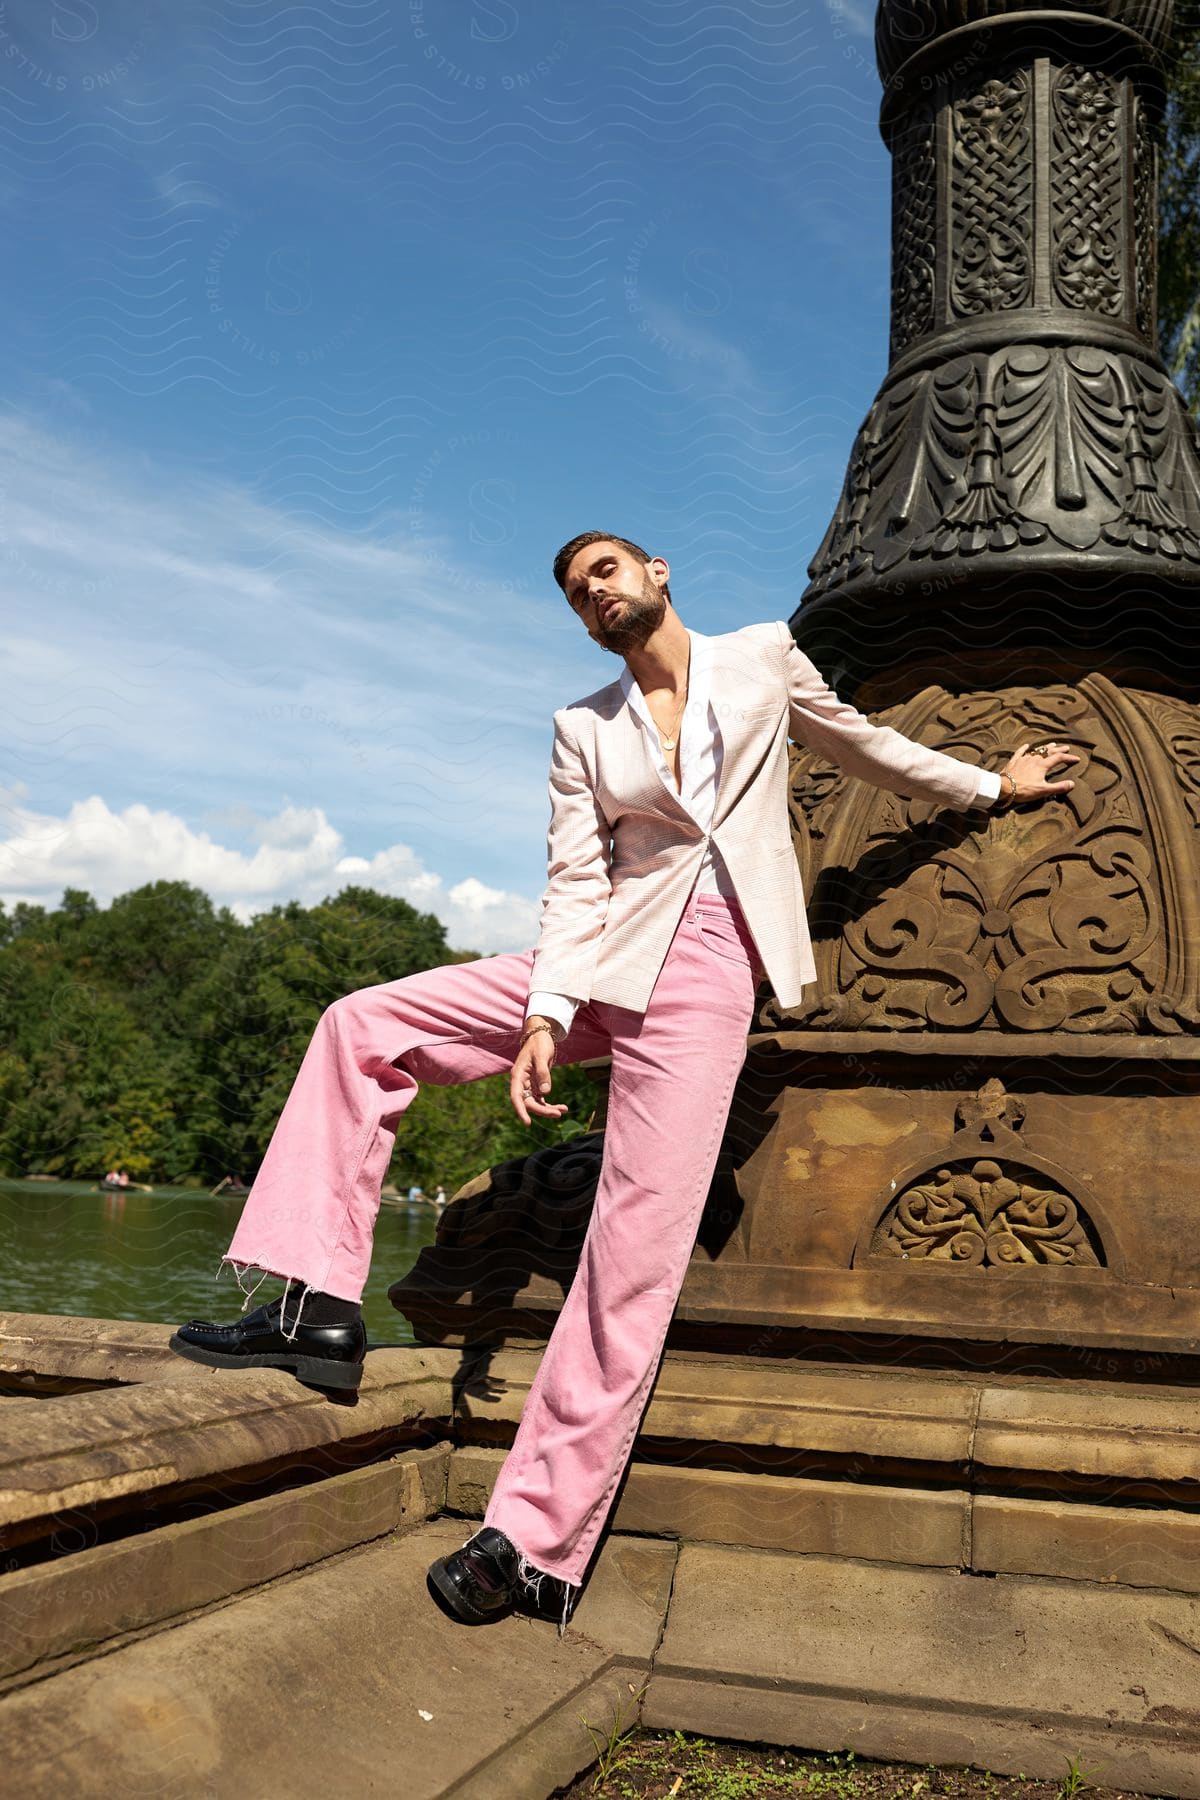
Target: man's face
x,y
618,597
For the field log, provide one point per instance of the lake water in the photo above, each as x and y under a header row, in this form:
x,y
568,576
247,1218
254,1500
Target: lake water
x,y
65,1247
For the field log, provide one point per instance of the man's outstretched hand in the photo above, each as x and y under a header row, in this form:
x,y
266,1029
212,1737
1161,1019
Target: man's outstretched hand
x,y
529,1083
1030,769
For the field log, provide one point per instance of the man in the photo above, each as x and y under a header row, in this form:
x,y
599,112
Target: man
x,y
673,887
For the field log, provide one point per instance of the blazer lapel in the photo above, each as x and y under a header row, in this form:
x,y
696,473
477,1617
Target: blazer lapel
x,y
641,768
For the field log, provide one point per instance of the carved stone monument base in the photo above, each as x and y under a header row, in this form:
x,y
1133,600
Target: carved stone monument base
x,y
867,1193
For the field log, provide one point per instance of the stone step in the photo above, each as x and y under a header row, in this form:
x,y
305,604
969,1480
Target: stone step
x,y
74,1607
38,1350
181,1428
134,1446
43,1353
323,1683
782,1404
1015,1675
123,1448
951,1528
776,1512
1114,1433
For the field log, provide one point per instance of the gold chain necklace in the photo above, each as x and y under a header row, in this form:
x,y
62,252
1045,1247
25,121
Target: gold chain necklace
x,y
669,743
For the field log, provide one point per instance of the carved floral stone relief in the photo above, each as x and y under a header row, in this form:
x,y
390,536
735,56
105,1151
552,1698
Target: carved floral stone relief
x,y
989,1204
1064,918
985,1215
1179,725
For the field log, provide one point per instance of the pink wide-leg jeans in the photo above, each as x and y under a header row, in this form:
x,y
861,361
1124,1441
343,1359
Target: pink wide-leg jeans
x,y
311,1213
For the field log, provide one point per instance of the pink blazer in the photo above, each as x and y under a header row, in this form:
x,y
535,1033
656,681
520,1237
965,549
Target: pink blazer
x,y
624,851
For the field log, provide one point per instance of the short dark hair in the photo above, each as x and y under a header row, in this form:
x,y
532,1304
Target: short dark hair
x,y
570,551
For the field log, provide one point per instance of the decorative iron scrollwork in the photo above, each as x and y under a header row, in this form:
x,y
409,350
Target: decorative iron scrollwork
x,y
914,202
1024,207
991,263
1020,449
1087,186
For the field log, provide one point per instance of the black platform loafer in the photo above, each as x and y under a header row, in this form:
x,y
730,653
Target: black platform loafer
x,y
478,1582
483,1581
329,1356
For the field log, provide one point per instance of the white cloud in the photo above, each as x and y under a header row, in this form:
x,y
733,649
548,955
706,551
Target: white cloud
x,y
853,15
179,644
177,190
299,855
688,345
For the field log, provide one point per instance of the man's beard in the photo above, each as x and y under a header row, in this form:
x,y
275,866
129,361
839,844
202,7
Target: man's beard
x,y
642,614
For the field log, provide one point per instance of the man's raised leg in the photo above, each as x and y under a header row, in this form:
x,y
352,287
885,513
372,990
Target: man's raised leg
x,y
310,1215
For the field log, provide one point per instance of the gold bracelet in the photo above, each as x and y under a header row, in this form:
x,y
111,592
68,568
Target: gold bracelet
x,y
532,1030
1003,805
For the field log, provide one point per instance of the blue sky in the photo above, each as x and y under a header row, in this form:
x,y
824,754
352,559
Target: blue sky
x,y
326,325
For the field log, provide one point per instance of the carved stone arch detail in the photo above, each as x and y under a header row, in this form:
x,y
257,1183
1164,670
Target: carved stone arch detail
x,y
1082,917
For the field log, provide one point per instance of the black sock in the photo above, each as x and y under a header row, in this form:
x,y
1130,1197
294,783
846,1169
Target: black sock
x,y
319,1308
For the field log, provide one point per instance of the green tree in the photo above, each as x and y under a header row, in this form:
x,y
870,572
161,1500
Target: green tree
x,y
162,1035
453,1133
1179,209
258,1006
151,946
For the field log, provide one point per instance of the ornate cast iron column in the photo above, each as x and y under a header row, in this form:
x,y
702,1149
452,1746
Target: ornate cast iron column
x,y
1022,502
999,1073
1025,487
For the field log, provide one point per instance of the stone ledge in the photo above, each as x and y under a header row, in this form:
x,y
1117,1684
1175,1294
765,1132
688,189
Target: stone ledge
x,y
1080,1310
1128,1546
997,1046
122,1445
108,1352
70,1608
1141,1432
770,1512
929,1302
889,1413
1034,1426
39,1349
556,1747
1011,1674
890,1727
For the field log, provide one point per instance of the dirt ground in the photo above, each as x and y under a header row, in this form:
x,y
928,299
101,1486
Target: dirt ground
x,y
651,1765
